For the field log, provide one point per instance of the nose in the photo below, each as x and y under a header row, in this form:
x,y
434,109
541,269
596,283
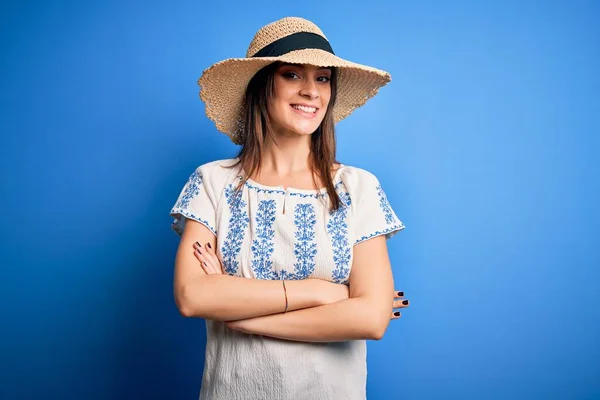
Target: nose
x,y
309,89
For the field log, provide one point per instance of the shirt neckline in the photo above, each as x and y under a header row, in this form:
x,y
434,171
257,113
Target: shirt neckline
x,y
291,189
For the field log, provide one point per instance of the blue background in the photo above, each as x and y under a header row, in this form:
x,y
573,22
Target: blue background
x,y
486,142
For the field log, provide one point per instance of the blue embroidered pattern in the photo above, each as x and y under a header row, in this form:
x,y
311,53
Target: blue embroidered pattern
x,y
386,232
385,205
269,191
291,192
337,227
238,223
284,275
262,247
178,223
305,248
192,188
389,219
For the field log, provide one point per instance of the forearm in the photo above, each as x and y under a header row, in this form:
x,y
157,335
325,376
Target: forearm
x,y
227,298
350,319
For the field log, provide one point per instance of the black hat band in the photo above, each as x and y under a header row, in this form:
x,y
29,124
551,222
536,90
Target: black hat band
x,y
295,41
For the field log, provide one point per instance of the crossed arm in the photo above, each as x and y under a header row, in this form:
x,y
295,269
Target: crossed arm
x,y
318,310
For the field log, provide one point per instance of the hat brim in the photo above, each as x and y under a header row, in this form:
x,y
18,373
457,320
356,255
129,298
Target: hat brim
x,y
222,86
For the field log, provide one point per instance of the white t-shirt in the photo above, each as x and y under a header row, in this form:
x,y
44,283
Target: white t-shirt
x,y
257,239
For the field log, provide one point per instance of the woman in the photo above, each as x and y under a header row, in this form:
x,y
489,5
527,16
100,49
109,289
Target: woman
x,y
310,233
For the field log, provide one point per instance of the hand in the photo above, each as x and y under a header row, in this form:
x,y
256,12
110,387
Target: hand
x,y
402,303
209,261
241,325
233,324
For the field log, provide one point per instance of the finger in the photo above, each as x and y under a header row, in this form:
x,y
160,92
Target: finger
x,y
209,248
207,257
396,315
398,294
203,264
205,260
207,269
214,258
198,256
401,303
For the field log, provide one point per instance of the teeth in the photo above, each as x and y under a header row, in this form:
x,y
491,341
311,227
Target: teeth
x,y
305,109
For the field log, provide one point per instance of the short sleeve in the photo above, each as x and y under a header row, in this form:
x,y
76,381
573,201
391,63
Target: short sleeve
x,y
373,214
196,201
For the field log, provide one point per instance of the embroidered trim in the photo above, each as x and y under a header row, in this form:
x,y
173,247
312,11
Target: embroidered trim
x,y
269,191
291,191
385,206
177,224
386,231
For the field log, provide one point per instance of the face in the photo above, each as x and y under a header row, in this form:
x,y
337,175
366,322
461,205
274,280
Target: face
x,y
301,97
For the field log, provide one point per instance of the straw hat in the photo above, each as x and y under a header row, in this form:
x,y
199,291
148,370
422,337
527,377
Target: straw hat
x,y
290,40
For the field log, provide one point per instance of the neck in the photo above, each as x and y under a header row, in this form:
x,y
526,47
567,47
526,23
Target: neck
x,y
287,155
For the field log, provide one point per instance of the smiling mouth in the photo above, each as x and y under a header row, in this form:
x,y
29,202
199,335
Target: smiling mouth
x,y
309,110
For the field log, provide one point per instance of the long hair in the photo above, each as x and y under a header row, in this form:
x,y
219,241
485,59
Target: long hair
x,y
257,125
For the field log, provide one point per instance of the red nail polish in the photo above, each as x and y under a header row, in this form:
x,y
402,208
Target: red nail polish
x,y
208,245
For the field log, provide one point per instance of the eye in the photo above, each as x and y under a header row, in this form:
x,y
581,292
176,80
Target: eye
x,y
324,79
290,75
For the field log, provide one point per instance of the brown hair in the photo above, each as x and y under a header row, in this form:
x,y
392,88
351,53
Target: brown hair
x,y
257,126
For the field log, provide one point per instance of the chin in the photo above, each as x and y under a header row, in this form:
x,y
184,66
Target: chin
x,y
300,130
304,129
307,130
304,132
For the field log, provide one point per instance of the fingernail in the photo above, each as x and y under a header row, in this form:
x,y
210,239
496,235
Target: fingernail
x,y
397,313
400,293
405,302
199,245
204,262
208,245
